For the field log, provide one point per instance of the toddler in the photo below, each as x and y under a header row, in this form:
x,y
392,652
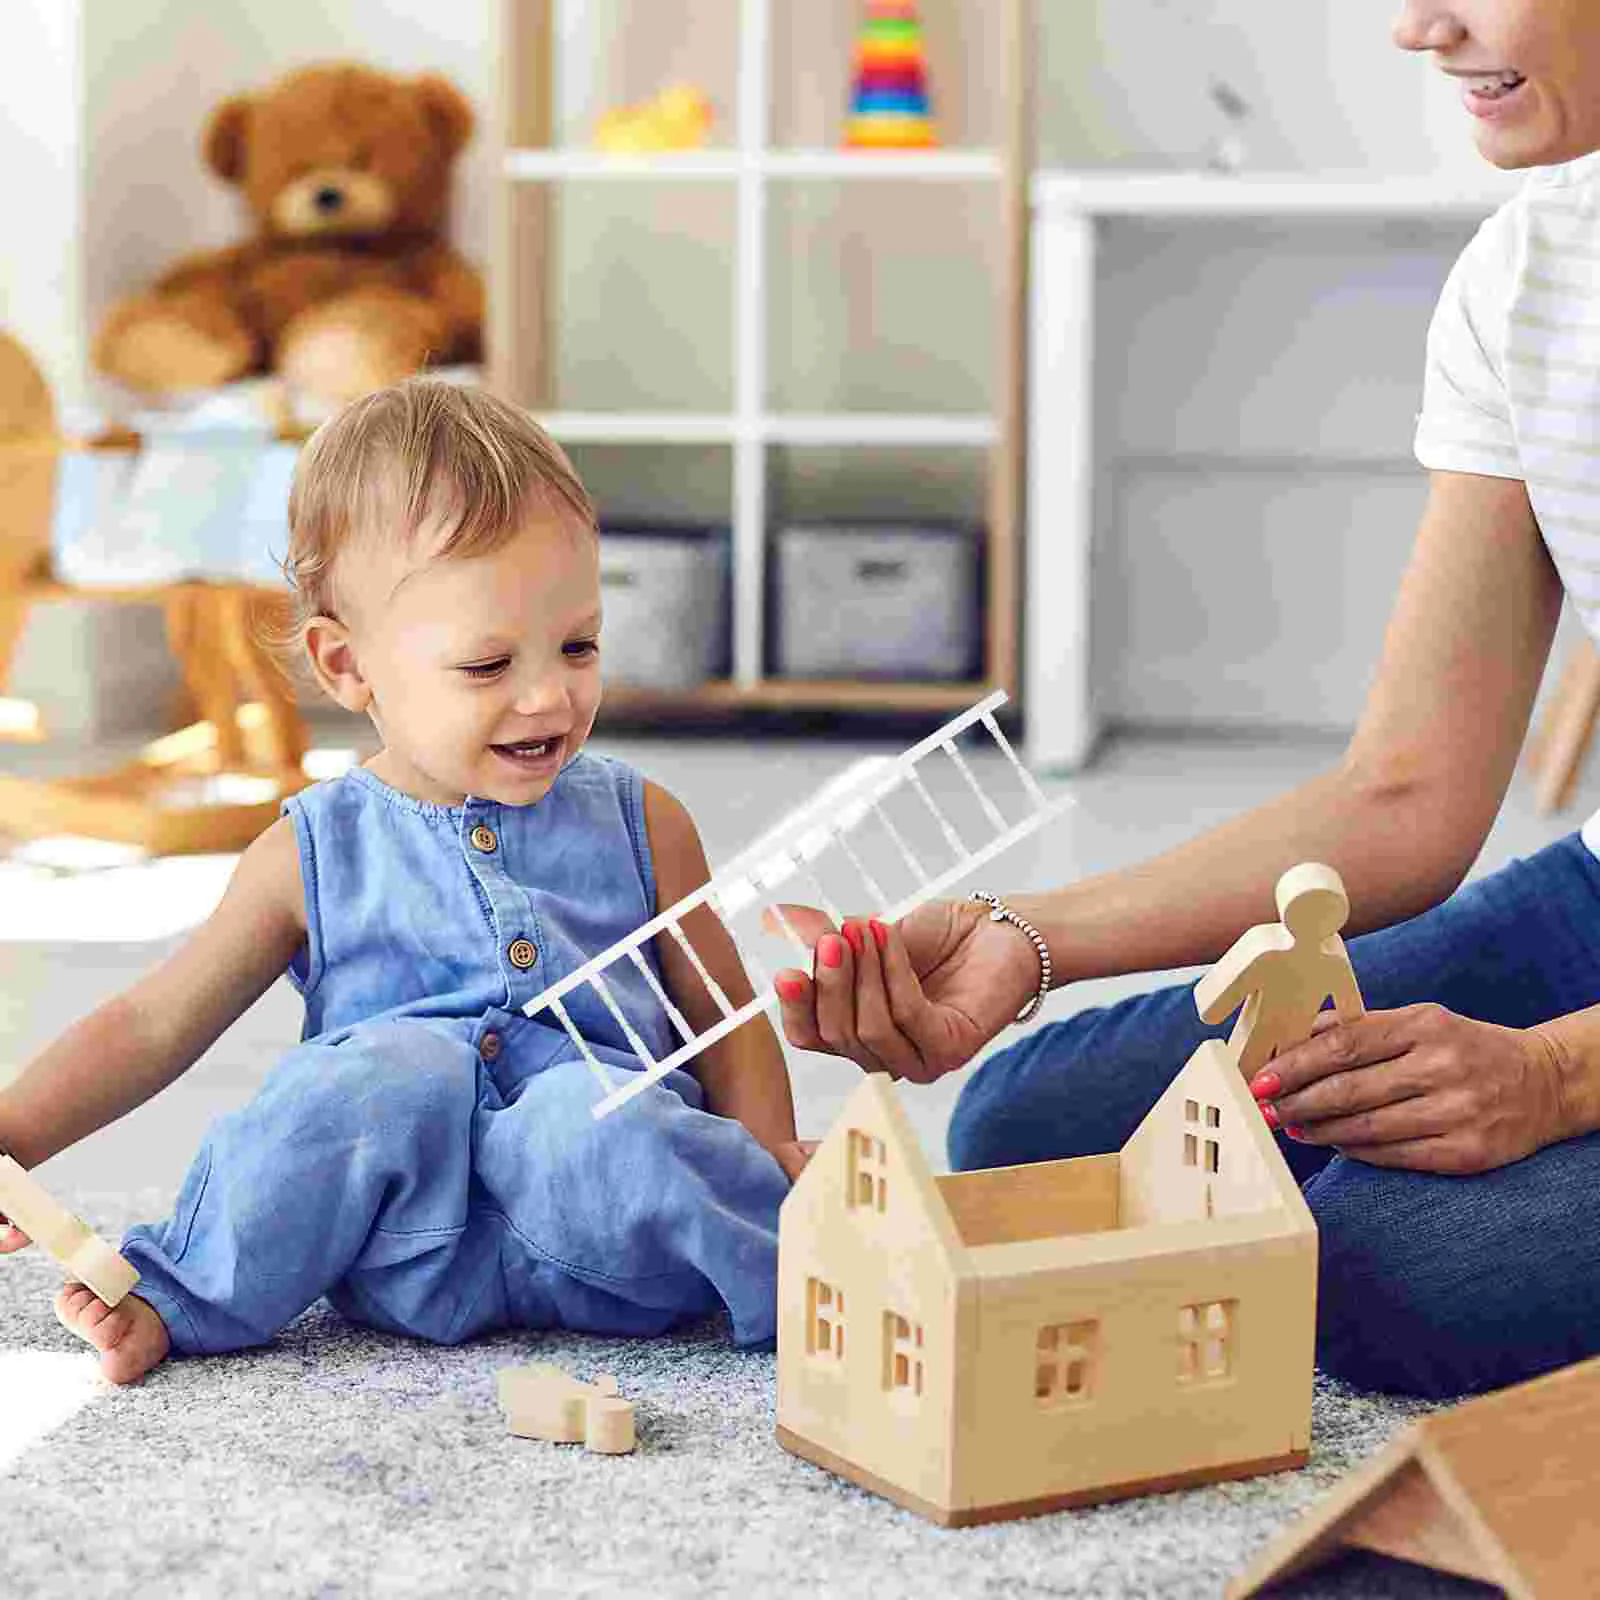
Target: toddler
x,y
427,1157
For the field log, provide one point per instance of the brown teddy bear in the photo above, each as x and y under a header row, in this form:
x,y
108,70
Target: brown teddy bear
x,y
348,284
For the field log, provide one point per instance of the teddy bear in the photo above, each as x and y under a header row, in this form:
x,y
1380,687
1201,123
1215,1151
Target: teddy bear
x,y
347,283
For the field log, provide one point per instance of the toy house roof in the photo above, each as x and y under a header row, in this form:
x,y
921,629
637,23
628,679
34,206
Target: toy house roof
x,y
1500,1488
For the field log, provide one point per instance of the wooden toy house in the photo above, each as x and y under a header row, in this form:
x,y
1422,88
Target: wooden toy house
x,y
996,1343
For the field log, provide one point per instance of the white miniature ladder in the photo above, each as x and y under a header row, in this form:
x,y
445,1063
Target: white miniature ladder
x,y
823,824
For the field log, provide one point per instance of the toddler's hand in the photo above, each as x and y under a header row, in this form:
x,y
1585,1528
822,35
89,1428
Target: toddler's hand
x,y
793,1154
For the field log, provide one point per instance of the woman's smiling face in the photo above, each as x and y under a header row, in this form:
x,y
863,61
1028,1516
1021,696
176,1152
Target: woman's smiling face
x,y
1529,72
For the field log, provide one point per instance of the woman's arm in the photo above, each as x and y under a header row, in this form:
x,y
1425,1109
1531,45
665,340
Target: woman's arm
x,y
137,1043
1401,817
744,1074
1404,814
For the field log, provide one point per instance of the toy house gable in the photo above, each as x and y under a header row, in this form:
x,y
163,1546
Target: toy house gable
x,y
871,1165
1204,1152
869,1287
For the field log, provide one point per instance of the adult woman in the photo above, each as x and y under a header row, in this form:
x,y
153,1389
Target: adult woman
x,y
1447,1141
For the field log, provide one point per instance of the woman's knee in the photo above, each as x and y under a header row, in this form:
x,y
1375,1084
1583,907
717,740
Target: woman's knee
x,y
1441,1286
997,1120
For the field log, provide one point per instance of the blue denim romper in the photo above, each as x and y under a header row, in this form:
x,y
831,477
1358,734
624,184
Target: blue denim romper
x,y
427,1157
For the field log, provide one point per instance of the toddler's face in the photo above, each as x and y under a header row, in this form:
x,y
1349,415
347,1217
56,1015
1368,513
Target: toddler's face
x,y
1529,72
483,672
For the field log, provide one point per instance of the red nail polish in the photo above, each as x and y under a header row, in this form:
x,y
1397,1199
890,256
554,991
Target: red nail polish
x,y
789,988
879,933
1265,1085
1295,1131
830,952
1269,1113
852,932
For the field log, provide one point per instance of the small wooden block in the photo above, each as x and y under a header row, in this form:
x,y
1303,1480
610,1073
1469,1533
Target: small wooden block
x,y
541,1401
86,1256
609,1426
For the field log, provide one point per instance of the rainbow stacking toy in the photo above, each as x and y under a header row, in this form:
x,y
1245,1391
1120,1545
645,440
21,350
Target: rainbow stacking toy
x,y
889,106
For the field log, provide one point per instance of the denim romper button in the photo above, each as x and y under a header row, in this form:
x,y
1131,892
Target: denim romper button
x,y
489,1047
484,839
522,954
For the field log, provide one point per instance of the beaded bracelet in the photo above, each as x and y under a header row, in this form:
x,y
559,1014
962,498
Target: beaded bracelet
x,y
999,911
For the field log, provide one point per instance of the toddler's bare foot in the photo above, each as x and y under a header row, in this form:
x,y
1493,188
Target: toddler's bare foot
x,y
130,1337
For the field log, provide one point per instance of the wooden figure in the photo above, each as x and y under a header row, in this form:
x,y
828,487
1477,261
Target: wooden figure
x,y
1282,972
543,1402
1500,1488
86,1256
991,1344
823,825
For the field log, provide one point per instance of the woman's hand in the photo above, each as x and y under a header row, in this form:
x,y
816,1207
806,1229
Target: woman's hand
x,y
915,1000
1419,1087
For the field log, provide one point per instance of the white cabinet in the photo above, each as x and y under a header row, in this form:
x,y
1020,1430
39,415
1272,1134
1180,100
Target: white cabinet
x,y
1224,376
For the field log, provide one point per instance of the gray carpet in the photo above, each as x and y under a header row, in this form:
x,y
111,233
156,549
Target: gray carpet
x,y
339,1462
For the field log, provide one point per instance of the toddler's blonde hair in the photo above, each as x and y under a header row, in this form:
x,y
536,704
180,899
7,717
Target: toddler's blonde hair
x,y
423,451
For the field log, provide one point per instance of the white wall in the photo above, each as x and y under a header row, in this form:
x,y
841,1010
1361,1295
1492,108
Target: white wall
x,y
122,89
41,162
1124,81
102,102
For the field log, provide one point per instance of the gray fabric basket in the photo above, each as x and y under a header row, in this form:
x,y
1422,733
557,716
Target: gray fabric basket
x,y
664,591
877,600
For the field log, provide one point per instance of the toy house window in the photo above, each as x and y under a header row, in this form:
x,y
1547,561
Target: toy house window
x,y
824,1319
1064,1370
902,1354
1205,1340
869,1183
1192,1142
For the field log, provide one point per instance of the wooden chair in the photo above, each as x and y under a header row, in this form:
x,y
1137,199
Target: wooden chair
x,y
1556,751
212,785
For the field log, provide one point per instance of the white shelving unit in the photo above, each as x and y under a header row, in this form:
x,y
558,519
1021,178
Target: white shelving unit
x,y
520,332
1111,399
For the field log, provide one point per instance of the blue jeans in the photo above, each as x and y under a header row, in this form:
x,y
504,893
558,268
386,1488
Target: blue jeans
x,y
428,1192
1429,1284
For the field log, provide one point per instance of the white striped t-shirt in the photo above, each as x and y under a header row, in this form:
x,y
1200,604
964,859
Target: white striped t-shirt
x,y
1512,386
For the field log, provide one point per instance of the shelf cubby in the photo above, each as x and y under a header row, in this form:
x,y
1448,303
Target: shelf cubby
x,y
772,161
